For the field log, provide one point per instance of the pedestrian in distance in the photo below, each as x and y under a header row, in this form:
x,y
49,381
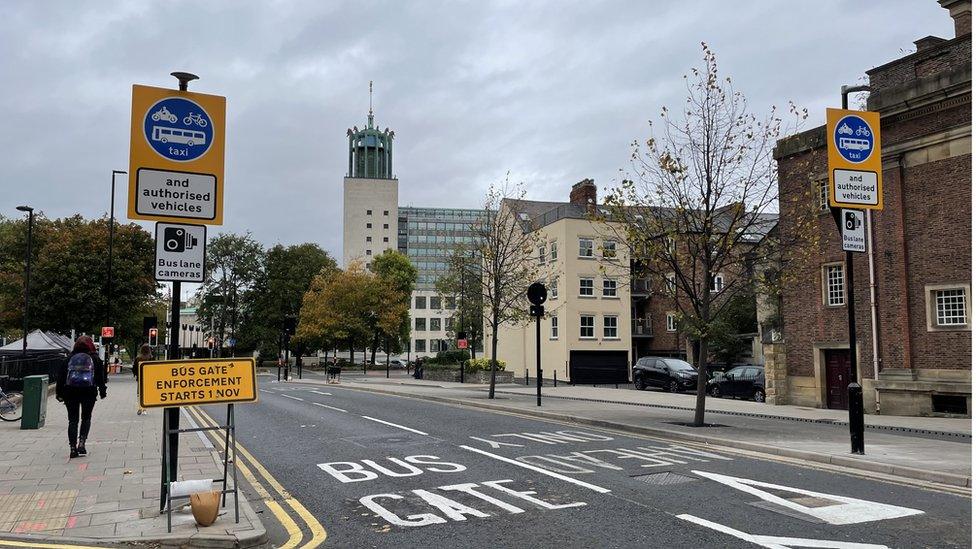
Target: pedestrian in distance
x,y
145,354
80,381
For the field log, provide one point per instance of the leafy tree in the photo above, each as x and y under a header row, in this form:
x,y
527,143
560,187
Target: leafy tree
x,y
395,279
278,293
703,197
737,318
338,307
505,246
461,282
234,265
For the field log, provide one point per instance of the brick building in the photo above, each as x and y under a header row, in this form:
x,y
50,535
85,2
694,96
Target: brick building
x,y
921,253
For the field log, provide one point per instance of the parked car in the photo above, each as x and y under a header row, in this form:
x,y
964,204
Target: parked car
x,y
671,374
397,363
740,382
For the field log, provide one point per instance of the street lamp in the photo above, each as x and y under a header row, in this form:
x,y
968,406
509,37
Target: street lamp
x,y
111,241
30,240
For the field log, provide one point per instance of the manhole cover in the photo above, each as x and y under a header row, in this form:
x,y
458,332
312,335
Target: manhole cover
x,y
666,478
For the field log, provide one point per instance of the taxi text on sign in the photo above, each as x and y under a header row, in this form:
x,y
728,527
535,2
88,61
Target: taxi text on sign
x,y
176,156
854,159
166,383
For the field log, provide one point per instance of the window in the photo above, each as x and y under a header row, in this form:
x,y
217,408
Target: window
x,y
609,249
672,322
420,346
552,251
386,212
451,304
554,289
585,247
386,225
609,287
586,287
369,212
554,329
833,276
947,306
542,255
420,324
718,282
435,324
435,302
369,239
420,302
586,327
386,239
369,252
823,195
670,285
369,225
610,327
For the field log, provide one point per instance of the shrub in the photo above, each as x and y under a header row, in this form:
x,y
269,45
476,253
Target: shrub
x,y
473,365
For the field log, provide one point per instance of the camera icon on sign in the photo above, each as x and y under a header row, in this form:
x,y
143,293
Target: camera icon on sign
x,y
851,222
178,240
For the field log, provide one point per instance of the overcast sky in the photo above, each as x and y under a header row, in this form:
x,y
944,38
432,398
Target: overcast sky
x,y
553,92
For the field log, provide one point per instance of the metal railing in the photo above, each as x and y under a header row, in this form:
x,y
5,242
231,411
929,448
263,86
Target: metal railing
x,y
640,327
14,369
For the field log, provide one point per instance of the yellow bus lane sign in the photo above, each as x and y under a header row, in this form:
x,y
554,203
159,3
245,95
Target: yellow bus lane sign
x,y
168,383
176,156
854,159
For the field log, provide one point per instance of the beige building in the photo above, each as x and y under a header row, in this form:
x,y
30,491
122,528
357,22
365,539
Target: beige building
x,y
586,333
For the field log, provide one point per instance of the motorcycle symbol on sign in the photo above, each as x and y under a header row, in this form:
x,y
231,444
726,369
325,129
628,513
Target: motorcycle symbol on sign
x,y
163,114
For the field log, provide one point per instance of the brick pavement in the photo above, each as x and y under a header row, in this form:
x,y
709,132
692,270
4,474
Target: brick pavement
x,y
111,495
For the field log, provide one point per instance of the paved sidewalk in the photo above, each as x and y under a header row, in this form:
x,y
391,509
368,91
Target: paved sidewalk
x,y
110,497
928,449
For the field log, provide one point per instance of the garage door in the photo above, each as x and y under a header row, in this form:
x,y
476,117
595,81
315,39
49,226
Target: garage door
x,y
598,367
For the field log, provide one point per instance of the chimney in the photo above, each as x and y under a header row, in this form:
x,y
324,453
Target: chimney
x,y
961,12
584,194
928,42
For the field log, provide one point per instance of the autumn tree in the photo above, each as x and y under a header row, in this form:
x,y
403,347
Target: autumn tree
x,y
702,199
395,279
504,243
338,307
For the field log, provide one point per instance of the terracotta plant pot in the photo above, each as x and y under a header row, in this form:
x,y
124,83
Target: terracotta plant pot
x,y
205,506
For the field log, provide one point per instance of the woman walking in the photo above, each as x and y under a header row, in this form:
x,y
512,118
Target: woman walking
x,y
145,355
80,381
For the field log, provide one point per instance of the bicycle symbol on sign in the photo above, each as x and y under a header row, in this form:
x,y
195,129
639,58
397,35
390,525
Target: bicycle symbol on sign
x,y
195,118
863,131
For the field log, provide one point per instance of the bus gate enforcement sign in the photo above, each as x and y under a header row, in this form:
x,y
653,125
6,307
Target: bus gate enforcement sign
x,y
168,383
176,156
854,159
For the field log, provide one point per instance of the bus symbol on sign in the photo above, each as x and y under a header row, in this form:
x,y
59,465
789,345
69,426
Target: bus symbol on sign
x,y
178,129
854,139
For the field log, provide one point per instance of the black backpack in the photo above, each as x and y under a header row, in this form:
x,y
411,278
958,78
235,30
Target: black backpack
x,y
81,371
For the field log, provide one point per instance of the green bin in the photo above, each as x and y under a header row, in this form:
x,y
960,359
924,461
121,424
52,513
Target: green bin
x,y
35,402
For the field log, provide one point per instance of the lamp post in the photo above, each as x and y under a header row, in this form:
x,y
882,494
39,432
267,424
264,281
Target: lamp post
x,y
30,240
111,242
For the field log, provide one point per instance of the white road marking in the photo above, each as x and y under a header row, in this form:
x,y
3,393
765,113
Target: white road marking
x,y
329,407
844,511
294,398
321,393
264,390
552,474
394,425
776,542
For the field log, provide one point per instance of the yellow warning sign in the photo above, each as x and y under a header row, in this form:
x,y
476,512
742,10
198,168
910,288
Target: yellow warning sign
x,y
166,383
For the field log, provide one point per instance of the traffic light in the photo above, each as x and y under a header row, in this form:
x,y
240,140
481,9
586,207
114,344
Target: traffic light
x,y
289,325
153,336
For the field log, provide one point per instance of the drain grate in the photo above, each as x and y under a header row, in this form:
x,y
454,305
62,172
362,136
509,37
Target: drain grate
x,y
666,478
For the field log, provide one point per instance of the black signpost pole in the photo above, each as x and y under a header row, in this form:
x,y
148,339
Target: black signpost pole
x,y
538,356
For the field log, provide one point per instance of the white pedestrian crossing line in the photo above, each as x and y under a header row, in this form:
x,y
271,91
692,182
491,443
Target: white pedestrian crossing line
x,y
547,472
294,398
395,425
321,393
330,407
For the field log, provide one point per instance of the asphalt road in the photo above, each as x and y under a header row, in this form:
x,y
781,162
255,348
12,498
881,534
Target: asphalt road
x,y
385,471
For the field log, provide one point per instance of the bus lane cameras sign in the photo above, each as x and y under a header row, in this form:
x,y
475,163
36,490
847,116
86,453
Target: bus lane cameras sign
x,y
180,252
854,159
176,156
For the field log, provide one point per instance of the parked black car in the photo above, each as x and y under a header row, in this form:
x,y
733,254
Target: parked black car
x,y
671,374
740,382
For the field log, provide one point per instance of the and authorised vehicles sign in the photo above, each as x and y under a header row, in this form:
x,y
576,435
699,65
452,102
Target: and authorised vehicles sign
x,y
854,159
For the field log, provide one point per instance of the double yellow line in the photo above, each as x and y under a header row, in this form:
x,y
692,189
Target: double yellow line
x,y
245,463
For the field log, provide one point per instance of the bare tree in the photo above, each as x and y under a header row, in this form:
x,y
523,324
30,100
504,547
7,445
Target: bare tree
x,y
703,200
505,244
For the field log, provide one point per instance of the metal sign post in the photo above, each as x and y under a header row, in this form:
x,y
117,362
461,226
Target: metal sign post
x,y
537,296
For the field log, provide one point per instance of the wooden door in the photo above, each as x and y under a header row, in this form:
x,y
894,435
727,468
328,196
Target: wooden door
x,y
838,378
